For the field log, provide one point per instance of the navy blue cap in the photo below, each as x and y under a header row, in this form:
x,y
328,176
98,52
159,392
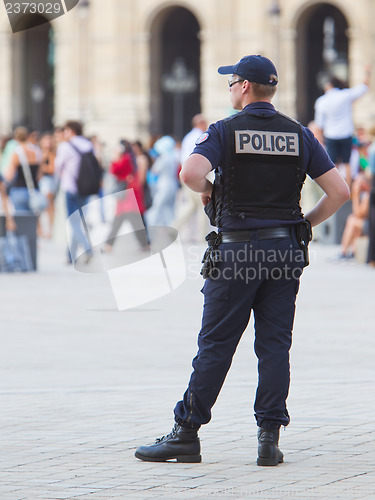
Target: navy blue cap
x,y
257,69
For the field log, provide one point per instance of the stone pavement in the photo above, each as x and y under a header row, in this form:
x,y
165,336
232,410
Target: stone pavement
x,y
82,385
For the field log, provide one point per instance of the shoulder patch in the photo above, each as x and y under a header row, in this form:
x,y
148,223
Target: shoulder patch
x,y
202,138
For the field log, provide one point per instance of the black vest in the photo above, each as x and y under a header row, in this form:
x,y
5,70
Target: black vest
x,y
264,174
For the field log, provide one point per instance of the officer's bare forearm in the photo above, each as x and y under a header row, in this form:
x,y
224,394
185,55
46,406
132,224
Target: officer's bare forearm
x,y
324,209
193,174
203,186
337,193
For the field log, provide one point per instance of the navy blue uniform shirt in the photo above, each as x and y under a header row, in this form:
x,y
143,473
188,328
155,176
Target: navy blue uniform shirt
x,y
215,149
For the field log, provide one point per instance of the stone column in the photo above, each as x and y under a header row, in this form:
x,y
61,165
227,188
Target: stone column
x,y
143,77
6,83
360,53
67,70
288,94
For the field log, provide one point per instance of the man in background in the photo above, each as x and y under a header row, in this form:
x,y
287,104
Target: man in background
x,y
67,164
191,204
334,120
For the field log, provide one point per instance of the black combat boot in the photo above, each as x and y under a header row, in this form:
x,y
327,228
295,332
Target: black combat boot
x,y
268,449
181,444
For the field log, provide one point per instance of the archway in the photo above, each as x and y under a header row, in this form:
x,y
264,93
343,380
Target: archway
x,y
322,49
33,77
175,72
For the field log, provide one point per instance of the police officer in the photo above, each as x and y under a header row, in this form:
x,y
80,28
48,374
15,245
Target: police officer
x,y
254,262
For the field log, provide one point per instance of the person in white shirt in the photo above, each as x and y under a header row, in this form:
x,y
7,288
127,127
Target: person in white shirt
x,y
333,117
67,164
191,205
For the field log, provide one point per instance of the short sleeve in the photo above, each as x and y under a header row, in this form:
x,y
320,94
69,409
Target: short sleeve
x,y
211,144
318,161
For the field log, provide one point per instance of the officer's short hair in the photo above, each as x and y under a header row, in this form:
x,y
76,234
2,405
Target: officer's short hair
x,y
264,91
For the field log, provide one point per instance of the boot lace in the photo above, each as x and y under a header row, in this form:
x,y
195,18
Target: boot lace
x,y
170,435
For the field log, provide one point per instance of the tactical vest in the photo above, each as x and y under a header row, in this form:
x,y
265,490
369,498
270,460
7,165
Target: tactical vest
x,y
264,175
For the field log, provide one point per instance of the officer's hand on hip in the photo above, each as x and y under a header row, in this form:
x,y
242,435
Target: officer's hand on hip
x,y
205,198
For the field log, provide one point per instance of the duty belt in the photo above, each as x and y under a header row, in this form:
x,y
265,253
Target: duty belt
x,y
261,234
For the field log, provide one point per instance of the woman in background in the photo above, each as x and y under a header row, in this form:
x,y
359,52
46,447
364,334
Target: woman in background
x,y
129,204
10,224
19,193
47,181
166,168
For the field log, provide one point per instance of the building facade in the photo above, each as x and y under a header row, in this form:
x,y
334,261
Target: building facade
x,y
140,69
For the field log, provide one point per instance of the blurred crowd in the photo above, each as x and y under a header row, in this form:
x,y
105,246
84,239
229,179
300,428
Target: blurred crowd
x,y
351,150
49,163
358,238
152,173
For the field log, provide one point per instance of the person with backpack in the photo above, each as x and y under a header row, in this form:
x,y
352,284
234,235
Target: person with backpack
x,y
75,167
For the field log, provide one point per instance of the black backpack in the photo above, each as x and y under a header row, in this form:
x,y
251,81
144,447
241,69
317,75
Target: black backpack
x,y
90,173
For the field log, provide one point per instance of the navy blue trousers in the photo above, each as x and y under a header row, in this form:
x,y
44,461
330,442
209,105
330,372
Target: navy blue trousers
x,y
263,277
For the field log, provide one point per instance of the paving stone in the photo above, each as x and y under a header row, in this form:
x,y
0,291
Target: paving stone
x,y
82,385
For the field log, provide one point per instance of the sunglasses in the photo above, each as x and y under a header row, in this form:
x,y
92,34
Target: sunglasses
x,y
233,80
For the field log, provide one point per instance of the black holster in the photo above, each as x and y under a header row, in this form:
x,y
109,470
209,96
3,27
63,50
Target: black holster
x,y
213,207
210,210
304,236
211,256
